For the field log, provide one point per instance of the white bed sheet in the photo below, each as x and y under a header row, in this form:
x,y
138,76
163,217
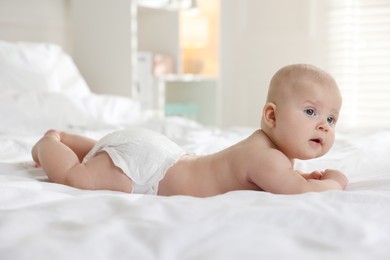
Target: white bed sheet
x,y
42,220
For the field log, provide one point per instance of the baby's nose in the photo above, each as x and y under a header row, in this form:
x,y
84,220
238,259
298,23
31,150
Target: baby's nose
x,y
323,125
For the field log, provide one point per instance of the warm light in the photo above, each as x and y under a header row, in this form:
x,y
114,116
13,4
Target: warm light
x,y
199,38
194,31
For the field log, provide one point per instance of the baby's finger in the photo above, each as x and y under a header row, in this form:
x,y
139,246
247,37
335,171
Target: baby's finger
x,y
316,174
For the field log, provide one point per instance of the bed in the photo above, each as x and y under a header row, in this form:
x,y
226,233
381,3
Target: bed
x,y
43,220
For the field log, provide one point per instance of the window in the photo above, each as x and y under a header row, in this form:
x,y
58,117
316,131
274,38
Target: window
x,y
359,59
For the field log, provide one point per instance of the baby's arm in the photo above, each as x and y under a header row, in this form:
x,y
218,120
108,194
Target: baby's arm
x,y
328,174
335,176
276,175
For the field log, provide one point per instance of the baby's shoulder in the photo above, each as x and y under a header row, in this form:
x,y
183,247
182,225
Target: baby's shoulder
x,y
259,145
260,141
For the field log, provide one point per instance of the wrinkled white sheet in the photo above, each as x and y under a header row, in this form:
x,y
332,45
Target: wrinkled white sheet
x,y
42,220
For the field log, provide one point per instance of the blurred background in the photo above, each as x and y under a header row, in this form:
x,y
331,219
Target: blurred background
x,y
212,60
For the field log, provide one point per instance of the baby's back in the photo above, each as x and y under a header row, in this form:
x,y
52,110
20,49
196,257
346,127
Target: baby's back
x,y
213,174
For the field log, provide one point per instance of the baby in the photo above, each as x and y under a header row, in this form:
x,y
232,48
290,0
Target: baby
x,y
298,122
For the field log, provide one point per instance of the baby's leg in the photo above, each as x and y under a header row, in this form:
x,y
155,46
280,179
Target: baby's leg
x,y
99,173
63,166
80,145
53,156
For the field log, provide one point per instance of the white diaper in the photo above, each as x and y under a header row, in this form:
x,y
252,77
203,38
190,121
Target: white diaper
x,y
143,155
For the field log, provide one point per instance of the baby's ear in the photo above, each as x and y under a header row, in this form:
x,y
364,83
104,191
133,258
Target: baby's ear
x,y
269,115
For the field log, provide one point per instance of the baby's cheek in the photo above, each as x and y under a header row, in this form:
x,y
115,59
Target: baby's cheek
x,y
329,144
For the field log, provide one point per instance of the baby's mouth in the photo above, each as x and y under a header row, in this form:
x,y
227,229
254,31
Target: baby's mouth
x,y
316,140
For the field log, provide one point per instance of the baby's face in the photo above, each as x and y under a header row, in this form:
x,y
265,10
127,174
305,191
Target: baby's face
x,y
306,119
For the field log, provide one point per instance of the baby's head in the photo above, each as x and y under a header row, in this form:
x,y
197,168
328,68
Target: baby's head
x,y
301,112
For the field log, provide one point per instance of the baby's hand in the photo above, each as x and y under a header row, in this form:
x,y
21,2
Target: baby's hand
x,y
317,175
336,176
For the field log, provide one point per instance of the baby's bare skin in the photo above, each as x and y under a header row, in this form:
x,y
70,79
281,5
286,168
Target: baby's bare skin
x,y
298,122
233,169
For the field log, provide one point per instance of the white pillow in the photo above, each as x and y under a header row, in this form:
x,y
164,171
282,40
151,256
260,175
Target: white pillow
x,y
33,113
38,67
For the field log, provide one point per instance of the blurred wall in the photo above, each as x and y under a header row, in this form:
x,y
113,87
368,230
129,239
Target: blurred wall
x,y
257,38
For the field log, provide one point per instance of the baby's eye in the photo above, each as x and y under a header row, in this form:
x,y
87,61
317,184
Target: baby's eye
x,y
331,120
310,111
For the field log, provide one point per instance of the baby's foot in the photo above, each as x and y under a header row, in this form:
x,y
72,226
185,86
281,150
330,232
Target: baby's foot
x,y
54,134
34,154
